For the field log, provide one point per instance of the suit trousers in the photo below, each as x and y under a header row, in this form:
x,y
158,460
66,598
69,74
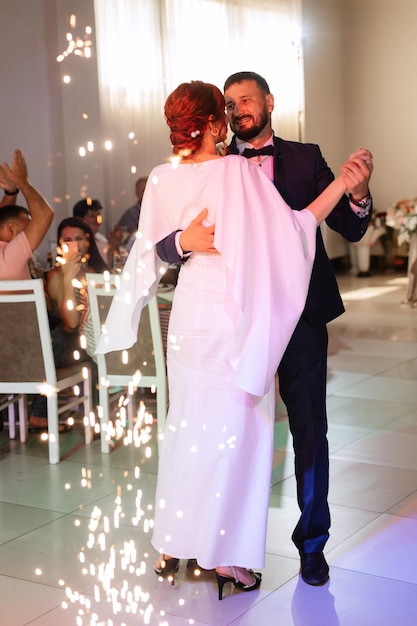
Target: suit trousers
x,y
302,382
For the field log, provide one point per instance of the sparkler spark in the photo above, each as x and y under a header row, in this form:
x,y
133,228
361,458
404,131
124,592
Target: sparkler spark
x,y
77,45
113,563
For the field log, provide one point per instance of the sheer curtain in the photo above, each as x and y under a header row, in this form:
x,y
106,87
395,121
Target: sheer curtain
x,y
145,48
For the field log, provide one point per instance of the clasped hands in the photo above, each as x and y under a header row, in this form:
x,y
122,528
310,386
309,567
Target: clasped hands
x,y
16,175
356,173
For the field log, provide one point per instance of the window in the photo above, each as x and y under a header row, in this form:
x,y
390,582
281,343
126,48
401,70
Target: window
x,y
145,48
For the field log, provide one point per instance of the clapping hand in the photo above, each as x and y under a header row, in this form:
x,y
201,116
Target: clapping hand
x,y
12,177
6,183
17,175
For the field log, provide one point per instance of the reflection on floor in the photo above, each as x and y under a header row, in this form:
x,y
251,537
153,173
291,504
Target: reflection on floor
x,y
74,538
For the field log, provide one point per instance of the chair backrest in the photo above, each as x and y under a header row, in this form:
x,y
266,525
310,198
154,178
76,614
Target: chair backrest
x,y
27,362
26,351
145,356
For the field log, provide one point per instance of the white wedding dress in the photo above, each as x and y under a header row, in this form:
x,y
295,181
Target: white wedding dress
x,y
232,317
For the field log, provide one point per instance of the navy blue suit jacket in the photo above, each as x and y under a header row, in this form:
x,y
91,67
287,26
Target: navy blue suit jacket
x,y
300,175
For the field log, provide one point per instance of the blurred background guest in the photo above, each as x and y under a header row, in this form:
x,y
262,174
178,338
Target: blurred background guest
x,y
89,210
130,217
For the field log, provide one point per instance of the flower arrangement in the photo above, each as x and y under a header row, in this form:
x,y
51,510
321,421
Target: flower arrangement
x,y
403,217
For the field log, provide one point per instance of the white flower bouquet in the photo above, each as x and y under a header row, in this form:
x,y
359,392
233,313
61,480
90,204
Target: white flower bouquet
x,y
402,216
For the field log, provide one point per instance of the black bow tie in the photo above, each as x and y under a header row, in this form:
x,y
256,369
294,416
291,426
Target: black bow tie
x,y
252,152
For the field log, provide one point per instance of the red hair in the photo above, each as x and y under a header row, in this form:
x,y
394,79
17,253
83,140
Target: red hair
x,y
188,110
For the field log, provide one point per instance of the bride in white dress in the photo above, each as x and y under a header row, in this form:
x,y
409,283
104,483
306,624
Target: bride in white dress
x,y
232,317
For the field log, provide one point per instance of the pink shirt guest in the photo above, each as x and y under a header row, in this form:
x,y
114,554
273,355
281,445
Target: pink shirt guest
x,y
14,257
21,229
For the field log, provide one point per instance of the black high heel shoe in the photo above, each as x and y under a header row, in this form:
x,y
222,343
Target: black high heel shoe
x,y
222,580
193,569
168,568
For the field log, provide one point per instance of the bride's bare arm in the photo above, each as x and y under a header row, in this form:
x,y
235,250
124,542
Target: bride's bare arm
x,y
355,174
327,200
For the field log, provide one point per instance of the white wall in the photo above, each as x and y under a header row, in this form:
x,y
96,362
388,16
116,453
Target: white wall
x,y
360,63
323,78
39,114
29,108
381,91
325,120
79,108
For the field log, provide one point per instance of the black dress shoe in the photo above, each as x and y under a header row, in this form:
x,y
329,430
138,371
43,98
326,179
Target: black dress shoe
x,y
314,569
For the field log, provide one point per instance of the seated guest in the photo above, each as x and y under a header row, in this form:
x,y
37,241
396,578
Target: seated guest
x,y
66,283
14,245
10,190
89,210
130,217
67,291
21,229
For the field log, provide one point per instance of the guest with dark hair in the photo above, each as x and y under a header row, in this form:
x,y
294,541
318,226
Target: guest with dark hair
x,y
130,217
66,284
89,209
67,291
21,229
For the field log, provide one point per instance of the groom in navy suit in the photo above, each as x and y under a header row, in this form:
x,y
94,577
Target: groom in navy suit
x,y
300,174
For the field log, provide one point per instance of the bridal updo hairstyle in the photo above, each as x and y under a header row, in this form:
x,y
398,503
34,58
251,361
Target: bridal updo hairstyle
x,y
188,110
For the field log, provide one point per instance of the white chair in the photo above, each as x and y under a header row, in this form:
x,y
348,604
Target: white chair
x,y
27,362
8,401
142,366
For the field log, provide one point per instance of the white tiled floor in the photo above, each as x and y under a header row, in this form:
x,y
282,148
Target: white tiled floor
x,y
72,551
